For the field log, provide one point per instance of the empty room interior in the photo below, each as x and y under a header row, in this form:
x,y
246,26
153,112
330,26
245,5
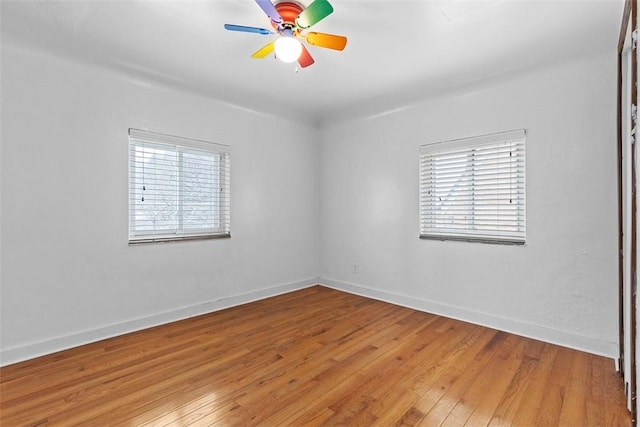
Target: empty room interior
x,y
343,212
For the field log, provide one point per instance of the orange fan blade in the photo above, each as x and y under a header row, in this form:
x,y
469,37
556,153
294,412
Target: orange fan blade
x,y
264,51
329,41
305,58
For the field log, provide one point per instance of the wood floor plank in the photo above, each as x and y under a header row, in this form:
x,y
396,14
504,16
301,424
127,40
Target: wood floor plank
x,y
347,375
595,400
316,356
574,404
484,385
531,399
365,397
419,374
439,395
237,377
498,389
553,399
613,398
506,409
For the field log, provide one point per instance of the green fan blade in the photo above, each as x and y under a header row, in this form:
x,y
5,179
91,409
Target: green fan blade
x,y
314,13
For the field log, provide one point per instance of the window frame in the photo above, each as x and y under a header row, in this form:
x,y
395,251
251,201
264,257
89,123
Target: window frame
x,y
428,214
181,146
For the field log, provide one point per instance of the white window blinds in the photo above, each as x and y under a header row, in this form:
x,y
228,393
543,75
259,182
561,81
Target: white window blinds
x,y
178,188
474,189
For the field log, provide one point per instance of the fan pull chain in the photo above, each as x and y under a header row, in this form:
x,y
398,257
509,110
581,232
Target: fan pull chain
x,y
510,177
144,158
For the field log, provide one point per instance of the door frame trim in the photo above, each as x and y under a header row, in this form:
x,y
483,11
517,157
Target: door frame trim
x,y
630,13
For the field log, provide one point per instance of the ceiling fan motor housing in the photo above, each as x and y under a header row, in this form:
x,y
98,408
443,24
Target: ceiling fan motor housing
x,y
289,19
289,11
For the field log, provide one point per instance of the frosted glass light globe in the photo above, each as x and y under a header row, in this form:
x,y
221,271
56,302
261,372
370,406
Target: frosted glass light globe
x,y
288,49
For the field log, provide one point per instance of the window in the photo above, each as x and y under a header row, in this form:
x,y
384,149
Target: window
x,y
473,189
178,188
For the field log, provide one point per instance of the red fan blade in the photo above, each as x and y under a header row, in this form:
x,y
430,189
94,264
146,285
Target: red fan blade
x,y
305,58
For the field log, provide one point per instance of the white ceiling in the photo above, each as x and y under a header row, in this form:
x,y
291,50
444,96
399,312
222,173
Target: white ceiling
x,y
397,53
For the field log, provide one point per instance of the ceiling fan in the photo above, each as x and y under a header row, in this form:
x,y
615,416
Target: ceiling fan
x,y
289,20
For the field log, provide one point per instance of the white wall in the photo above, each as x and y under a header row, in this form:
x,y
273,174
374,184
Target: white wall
x,y
68,275
560,287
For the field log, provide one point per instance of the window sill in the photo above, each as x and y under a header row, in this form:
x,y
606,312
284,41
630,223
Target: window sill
x,y
485,240
152,240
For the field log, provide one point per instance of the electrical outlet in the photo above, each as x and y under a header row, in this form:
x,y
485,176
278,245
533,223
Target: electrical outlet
x,y
355,268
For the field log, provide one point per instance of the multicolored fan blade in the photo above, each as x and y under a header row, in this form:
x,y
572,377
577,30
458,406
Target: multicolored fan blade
x,y
270,10
305,58
264,51
314,13
244,29
329,41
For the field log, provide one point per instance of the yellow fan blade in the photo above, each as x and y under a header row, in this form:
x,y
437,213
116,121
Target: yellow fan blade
x,y
264,51
329,41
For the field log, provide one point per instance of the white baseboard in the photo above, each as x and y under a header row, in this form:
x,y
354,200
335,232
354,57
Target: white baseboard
x,y
29,351
538,332
542,333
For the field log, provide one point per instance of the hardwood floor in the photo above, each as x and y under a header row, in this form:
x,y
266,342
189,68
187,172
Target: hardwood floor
x,y
311,357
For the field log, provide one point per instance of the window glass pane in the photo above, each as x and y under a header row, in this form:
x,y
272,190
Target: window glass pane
x,y
176,191
201,191
473,189
156,178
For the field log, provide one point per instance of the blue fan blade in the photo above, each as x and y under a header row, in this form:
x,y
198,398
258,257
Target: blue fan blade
x,y
270,10
244,29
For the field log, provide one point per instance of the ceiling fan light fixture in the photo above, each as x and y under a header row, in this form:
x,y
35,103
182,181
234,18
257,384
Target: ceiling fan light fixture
x,y
288,49
289,19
